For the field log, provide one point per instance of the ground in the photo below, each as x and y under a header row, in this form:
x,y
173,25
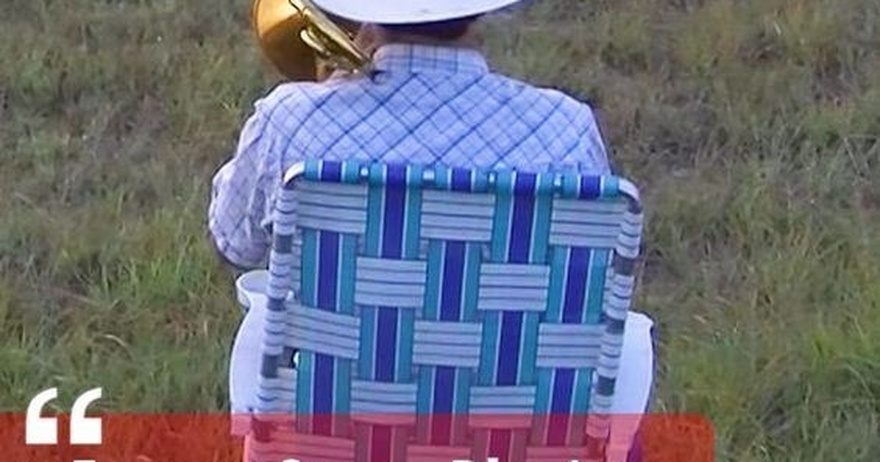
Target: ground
x,y
751,127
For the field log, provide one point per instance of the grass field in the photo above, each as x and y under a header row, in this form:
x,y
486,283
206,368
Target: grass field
x,y
752,127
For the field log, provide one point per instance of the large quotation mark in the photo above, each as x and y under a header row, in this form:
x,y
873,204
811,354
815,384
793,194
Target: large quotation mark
x,y
43,431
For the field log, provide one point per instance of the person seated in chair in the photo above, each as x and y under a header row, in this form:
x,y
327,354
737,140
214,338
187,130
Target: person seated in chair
x,y
430,98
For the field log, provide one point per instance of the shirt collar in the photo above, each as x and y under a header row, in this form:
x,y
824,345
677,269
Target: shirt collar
x,y
417,59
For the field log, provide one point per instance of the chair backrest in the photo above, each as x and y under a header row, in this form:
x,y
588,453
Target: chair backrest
x,y
411,296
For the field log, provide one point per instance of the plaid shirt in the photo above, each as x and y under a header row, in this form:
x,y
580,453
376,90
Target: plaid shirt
x,y
424,104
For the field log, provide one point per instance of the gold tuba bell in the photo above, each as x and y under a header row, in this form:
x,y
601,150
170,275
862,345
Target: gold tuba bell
x,y
302,43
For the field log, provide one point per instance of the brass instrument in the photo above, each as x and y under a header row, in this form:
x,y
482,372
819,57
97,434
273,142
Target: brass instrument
x,y
302,43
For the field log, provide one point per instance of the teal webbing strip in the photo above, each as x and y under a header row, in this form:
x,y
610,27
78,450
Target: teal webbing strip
x,y
412,223
305,375
309,295
372,244
599,260
503,212
610,186
425,396
542,391
368,332
471,282
431,309
410,251
463,382
528,347
405,334
491,328
580,402
541,222
345,287
558,274
375,211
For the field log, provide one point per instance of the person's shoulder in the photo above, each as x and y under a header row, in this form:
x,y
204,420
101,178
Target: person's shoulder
x,y
563,103
567,101
294,100
285,96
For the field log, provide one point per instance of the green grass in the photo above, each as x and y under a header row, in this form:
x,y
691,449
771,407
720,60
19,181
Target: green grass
x,y
752,127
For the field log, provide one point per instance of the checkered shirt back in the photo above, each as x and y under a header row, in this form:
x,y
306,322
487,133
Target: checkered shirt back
x,y
424,105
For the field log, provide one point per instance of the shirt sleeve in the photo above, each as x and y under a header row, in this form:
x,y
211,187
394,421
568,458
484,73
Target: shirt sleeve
x,y
590,153
241,196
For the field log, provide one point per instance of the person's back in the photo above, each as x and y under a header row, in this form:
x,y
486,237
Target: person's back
x,y
430,104
430,99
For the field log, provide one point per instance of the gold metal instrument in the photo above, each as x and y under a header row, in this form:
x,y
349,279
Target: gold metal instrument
x,y
302,43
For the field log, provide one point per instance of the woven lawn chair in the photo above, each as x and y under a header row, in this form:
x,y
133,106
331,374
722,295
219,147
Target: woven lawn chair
x,y
439,314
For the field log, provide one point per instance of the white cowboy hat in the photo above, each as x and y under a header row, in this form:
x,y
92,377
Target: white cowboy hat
x,y
408,11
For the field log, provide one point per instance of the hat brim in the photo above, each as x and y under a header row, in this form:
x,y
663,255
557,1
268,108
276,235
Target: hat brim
x,y
409,11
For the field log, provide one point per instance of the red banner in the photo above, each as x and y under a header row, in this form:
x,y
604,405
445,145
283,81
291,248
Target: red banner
x,y
373,438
